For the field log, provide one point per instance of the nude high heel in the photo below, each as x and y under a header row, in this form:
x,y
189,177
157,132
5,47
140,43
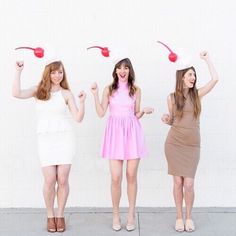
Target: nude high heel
x,y
179,225
116,225
189,225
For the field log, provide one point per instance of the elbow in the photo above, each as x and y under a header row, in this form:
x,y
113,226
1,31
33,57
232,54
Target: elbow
x,y
79,119
15,94
215,78
100,115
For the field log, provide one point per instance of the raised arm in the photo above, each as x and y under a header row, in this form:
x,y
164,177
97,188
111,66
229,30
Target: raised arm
x,y
77,113
145,110
16,87
101,107
214,76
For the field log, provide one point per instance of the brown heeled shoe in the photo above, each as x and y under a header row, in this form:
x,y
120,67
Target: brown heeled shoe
x,y
51,225
60,222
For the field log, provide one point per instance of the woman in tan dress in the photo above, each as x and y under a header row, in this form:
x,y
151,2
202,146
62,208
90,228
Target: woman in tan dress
x,y
182,146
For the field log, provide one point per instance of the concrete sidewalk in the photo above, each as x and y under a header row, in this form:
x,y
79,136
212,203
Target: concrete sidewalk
x,y
97,222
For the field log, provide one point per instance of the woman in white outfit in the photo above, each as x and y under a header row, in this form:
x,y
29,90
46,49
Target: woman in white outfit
x,y
56,141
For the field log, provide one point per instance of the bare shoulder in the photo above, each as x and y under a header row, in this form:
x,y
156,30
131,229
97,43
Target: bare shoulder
x,y
138,90
67,94
171,98
106,91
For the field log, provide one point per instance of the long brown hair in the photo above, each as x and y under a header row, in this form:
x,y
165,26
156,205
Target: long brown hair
x,y
45,85
131,79
179,94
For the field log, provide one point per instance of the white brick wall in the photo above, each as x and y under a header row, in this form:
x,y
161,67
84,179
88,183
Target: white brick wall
x,y
72,26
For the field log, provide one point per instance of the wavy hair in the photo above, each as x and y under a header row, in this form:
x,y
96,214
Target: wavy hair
x,y
131,79
179,94
45,85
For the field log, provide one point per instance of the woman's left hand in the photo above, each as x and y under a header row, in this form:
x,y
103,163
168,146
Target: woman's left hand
x,y
82,96
148,110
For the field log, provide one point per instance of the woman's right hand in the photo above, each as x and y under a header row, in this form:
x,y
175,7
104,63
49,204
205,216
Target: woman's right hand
x,y
204,55
94,88
19,65
165,118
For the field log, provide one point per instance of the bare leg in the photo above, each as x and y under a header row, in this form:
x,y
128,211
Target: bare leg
x,y
49,174
178,195
131,175
63,187
116,178
189,196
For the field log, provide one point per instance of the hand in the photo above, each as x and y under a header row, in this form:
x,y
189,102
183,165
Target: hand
x,y
94,88
204,55
165,118
82,96
19,65
148,110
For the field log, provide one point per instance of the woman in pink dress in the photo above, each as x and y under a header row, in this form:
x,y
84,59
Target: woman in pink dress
x,y
123,138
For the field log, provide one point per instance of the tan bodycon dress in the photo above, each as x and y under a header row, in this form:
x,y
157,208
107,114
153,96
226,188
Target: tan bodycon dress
x,y
182,146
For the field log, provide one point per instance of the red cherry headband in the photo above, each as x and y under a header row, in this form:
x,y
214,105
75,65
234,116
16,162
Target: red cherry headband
x,y
38,52
104,50
172,56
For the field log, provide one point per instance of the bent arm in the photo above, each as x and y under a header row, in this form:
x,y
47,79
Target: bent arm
x,y
168,118
77,113
101,108
21,93
138,113
146,110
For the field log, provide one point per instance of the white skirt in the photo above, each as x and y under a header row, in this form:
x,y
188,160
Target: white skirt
x,y
56,148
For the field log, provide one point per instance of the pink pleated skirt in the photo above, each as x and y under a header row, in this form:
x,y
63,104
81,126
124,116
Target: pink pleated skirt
x,y
123,139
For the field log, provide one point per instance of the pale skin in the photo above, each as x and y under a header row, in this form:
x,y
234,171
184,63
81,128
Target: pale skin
x,y
116,166
58,174
183,187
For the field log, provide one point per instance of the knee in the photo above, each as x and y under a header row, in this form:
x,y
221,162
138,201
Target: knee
x,y
50,182
131,177
116,180
62,181
178,183
189,186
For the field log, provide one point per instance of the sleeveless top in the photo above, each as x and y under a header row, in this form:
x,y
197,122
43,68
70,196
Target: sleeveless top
x,y
188,119
52,114
120,103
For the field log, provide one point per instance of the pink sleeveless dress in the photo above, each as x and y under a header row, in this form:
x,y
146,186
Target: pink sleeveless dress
x,y
123,138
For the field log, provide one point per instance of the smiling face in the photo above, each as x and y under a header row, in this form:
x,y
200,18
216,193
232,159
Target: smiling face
x,y
56,76
122,72
189,79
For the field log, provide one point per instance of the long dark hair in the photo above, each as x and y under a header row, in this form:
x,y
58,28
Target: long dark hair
x,y
45,85
131,79
179,94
